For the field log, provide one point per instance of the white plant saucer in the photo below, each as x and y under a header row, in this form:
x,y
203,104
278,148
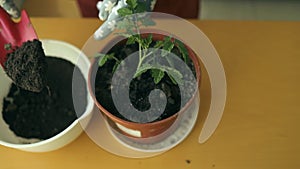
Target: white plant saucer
x,y
103,135
188,120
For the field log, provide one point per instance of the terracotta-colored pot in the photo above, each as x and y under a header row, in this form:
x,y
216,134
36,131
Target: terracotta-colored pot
x,y
142,130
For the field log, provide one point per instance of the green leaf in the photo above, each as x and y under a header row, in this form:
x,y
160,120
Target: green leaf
x,y
141,7
115,67
132,3
175,74
110,56
158,44
142,70
168,46
124,11
172,79
183,50
147,41
167,39
157,75
102,60
149,38
131,40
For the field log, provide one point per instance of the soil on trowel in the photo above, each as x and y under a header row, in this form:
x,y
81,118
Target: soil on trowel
x,y
47,113
26,66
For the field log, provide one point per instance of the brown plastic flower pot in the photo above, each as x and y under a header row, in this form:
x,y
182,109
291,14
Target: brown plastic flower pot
x,y
158,129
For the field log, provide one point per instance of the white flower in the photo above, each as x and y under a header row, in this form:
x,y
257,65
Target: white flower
x,y
99,5
152,4
115,10
2,2
99,34
123,3
120,5
109,6
111,25
12,12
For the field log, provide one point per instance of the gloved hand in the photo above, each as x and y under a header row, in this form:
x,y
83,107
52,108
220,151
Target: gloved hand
x,y
10,7
108,12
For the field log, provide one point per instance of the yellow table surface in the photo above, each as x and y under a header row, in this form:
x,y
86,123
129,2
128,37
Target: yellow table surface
x,y
261,121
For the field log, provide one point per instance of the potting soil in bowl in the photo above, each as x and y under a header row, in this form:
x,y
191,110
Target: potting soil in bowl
x,y
44,114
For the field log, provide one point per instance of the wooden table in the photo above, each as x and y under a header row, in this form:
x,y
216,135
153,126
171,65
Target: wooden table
x,y
261,121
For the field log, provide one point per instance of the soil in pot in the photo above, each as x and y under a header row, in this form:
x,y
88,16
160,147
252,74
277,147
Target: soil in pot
x,y
47,113
140,87
26,66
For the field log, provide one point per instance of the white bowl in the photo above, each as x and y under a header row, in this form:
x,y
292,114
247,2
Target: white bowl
x,y
9,139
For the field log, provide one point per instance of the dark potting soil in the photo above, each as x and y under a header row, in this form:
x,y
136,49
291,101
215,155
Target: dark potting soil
x,y
45,114
26,66
140,88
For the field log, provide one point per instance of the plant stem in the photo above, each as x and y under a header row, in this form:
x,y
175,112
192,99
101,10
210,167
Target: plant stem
x,y
116,59
150,53
140,46
140,57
